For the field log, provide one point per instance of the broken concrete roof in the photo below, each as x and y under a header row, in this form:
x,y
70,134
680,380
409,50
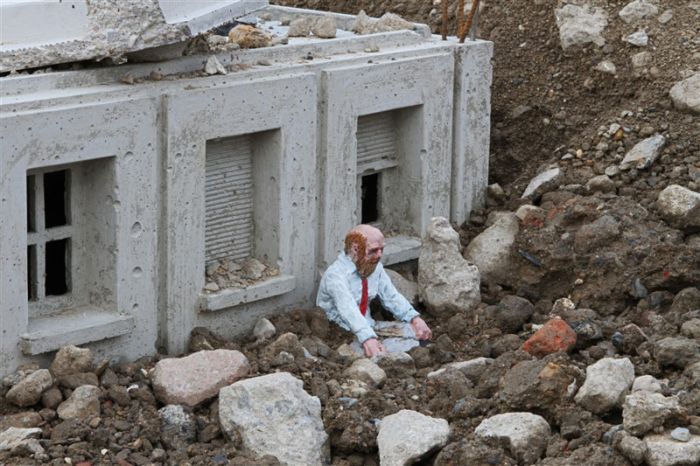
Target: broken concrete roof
x,y
36,33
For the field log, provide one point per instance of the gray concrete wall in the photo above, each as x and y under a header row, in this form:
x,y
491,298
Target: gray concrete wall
x,y
138,154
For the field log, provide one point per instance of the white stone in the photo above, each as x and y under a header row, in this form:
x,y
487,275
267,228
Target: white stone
x,y
472,369
526,210
214,66
407,436
638,10
300,27
641,60
388,22
542,180
197,377
447,282
83,404
491,250
15,436
639,39
525,434
580,25
264,330
324,27
607,382
644,411
71,360
648,383
275,416
686,94
367,371
665,17
680,207
606,66
663,450
28,391
681,434
644,153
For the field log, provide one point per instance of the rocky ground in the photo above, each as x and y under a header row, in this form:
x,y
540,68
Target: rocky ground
x,y
582,345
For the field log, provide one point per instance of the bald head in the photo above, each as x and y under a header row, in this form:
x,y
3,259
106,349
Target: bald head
x,y
365,245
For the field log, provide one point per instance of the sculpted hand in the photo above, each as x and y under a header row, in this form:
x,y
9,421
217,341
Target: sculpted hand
x,y
372,347
421,329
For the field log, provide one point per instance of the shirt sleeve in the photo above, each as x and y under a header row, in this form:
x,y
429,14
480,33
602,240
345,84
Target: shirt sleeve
x,y
338,290
393,301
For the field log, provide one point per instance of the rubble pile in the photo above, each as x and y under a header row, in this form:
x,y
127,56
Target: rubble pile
x,y
577,340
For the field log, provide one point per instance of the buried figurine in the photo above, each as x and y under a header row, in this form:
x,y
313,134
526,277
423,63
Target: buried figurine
x,y
352,281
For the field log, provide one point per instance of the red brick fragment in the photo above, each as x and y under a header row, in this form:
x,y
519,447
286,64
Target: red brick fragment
x,y
555,335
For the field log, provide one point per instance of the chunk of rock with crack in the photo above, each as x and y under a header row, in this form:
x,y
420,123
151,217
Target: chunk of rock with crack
x,y
408,436
644,153
555,335
526,434
275,416
680,207
447,282
607,383
543,182
71,360
18,437
367,372
645,411
197,377
491,250
83,403
664,450
580,25
28,391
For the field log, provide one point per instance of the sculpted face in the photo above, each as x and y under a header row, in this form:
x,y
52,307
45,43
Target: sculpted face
x,y
366,245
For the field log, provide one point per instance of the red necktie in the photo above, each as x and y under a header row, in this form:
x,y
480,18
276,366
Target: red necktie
x,y
365,297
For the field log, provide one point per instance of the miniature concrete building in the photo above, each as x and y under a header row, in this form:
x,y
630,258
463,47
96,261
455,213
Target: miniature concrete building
x,y
142,200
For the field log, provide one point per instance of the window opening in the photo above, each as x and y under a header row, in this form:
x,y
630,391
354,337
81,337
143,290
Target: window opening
x,y
370,198
57,267
55,198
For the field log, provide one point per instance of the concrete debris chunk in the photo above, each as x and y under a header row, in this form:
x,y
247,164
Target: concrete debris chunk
x,y
648,383
12,437
197,377
680,207
366,371
686,94
580,25
664,450
275,416
638,39
264,330
300,27
645,411
249,37
407,436
446,281
607,383
542,182
676,352
388,22
525,434
83,404
492,250
177,426
214,66
644,153
324,27
606,66
70,360
28,391
637,11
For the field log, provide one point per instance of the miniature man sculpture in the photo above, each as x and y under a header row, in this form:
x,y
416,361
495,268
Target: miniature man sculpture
x,y
353,280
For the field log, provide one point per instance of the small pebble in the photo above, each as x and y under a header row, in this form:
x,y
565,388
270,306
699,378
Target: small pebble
x,y
681,434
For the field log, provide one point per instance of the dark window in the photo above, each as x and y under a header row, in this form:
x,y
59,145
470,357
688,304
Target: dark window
x,y
57,267
370,198
56,198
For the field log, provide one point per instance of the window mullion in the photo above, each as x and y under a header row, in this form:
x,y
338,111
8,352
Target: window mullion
x,y
40,271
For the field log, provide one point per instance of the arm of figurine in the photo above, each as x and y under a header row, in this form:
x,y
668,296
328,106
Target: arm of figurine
x,y
397,304
348,311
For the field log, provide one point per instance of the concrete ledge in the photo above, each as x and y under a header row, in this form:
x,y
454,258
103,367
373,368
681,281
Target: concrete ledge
x,y
234,296
400,248
75,327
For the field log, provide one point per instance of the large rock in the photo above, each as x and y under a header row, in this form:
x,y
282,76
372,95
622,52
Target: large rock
x,y
407,436
367,372
447,282
275,416
644,411
680,207
555,335
71,360
28,391
607,383
638,10
644,153
542,182
491,250
537,386
406,287
324,27
686,94
15,436
676,352
197,377
580,25
663,450
525,434
83,404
